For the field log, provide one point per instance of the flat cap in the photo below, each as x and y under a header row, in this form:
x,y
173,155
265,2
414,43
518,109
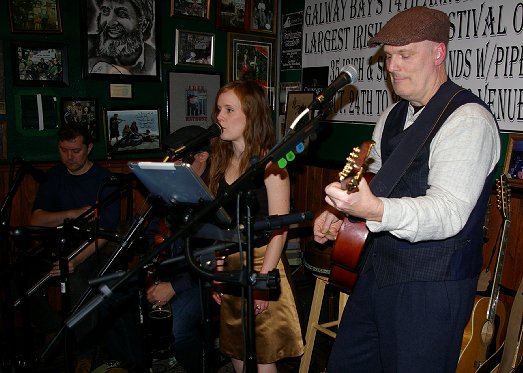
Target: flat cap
x,y
414,25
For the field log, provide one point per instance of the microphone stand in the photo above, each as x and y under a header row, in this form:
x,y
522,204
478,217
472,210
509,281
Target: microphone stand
x,y
76,313
249,279
5,267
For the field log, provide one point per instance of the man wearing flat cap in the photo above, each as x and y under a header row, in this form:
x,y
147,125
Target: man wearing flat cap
x,y
434,161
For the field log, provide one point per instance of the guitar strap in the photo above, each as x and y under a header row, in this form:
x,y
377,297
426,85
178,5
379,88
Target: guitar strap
x,y
422,130
513,332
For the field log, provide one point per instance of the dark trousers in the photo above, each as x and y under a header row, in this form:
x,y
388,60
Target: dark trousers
x,y
404,328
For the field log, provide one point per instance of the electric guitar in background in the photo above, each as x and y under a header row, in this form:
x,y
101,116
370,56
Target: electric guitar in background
x,y
348,247
488,315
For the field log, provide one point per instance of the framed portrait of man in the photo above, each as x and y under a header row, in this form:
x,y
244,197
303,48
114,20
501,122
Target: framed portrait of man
x,y
120,42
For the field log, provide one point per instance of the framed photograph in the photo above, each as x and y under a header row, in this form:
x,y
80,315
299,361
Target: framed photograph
x,y
35,16
132,130
40,64
297,102
194,48
120,90
514,160
263,16
191,98
232,15
123,45
253,57
191,8
81,111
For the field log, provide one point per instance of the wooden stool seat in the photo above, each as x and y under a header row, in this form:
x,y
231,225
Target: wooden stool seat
x,y
314,326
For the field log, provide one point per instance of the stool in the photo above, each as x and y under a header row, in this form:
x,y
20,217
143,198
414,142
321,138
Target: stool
x,y
313,325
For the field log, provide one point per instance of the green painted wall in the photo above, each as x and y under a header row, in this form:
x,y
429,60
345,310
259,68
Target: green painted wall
x,y
334,141
42,147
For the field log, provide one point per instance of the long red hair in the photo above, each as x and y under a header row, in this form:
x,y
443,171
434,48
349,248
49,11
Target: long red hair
x,y
259,132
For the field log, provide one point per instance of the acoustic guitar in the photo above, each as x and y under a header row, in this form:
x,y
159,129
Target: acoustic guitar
x,y
488,315
509,357
349,245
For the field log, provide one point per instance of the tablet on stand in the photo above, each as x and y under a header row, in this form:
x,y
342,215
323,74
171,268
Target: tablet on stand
x,y
176,184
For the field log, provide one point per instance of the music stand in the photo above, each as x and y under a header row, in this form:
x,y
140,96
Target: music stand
x,y
176,184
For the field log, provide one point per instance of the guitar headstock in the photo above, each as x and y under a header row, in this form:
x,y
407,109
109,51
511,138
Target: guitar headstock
x,y
503,196
356,165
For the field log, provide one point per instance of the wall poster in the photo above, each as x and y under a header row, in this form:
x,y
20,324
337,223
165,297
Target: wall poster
x,y
485,53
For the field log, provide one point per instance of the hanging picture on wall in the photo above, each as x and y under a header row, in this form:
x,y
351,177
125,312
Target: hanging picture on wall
x,y
194,48
82,111
263,16
35,16
132,130
39,64
191,98
191,8
253,57
231,15
36,114
514,160
121,45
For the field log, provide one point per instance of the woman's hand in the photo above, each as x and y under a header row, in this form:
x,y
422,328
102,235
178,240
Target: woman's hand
x,y
260,306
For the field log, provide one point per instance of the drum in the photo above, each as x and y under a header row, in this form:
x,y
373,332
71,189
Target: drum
x,y
110,367
317,257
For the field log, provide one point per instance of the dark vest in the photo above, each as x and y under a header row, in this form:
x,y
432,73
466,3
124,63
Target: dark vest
x,y
458,257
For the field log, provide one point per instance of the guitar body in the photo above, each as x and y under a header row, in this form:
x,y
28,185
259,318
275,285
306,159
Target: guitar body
x,y
492,363
348,247
347,252
479,334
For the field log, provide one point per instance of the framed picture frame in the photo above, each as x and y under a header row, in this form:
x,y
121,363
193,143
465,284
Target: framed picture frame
x,y
40,64
120,90
513,167
253,57
133,55
263,16
191,8
132,129
194,48
35,16
83,111
232,15
191,98
297,102
37,114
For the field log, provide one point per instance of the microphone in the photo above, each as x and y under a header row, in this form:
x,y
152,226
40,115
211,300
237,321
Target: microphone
x,y
38,175
278,221
348,75
197,142
119,179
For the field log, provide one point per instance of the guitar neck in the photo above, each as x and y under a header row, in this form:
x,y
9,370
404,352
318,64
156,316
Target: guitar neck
x,y
496,283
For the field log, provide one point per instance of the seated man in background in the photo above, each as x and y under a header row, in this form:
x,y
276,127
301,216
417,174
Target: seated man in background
x,y
72,188
178,286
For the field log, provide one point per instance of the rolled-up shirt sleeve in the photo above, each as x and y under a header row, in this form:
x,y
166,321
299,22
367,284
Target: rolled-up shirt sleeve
x,y
462,154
